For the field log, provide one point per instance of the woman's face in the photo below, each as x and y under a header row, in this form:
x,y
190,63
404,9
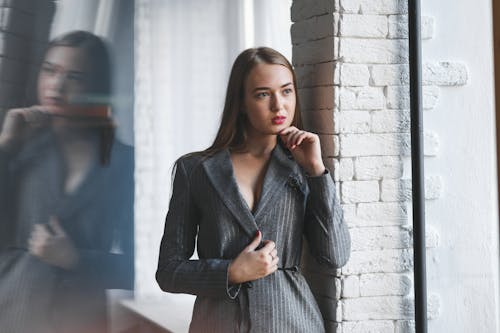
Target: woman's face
x,y
63,77
269,99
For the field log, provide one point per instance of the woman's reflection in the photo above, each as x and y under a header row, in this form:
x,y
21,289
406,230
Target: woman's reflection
x,y
66,217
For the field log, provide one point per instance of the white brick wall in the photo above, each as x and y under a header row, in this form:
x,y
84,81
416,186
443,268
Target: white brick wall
x,y
352,59
369,26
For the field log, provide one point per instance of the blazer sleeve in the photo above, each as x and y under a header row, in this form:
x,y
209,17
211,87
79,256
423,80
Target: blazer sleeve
x,y
176,273
325,230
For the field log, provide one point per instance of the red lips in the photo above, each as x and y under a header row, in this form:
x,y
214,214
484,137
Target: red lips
x,y
278,120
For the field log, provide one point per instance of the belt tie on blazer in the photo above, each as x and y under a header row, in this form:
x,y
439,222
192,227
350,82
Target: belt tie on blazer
x,y
294,269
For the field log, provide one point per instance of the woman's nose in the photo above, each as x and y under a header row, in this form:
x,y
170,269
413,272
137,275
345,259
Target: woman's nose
x,y
276,102
58,82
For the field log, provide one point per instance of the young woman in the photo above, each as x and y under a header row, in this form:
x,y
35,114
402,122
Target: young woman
x,y
66,197
247,201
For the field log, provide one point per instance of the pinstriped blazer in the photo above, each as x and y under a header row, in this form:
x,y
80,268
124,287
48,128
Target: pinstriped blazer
x,y
207,207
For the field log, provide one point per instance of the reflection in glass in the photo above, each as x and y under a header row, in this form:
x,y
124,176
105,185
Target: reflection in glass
x,y
66,197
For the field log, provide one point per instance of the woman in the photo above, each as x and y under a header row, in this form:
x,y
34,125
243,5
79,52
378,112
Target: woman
x,y
247,200
66,197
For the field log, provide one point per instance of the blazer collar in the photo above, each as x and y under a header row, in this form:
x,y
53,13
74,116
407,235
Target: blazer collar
x,y
280,171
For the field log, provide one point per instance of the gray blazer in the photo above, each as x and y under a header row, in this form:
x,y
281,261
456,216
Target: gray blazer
x,y
207,207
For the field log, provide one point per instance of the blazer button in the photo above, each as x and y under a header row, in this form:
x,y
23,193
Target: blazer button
x,y
293,182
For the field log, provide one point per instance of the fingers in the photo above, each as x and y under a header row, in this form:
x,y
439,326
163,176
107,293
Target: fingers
x,y
254,243
269,245
56,227
39,238
293,137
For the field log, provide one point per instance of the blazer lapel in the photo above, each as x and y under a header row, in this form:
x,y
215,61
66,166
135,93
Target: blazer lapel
x,y
219,170
282,170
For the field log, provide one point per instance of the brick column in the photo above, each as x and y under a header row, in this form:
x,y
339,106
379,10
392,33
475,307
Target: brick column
x,y
351,60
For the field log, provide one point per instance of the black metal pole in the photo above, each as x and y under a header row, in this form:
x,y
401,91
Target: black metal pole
x,y
417,163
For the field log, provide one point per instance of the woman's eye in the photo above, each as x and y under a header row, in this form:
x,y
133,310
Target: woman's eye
x,y
262,95
75,77
288,91
48,69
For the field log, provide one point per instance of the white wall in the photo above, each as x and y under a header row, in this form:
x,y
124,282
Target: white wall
x,y
463,269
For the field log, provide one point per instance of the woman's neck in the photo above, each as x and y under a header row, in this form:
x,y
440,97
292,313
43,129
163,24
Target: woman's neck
x,y
260,145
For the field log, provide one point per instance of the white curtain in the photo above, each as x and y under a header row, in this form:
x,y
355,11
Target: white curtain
x,y
184,52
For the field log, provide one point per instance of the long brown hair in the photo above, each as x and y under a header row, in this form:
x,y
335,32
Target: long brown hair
x,y
99,84
232,130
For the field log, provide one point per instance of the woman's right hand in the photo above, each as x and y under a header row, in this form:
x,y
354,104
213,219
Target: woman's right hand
x,y
19,122
252,264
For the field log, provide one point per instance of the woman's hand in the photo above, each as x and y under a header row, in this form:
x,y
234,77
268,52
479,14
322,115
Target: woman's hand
x,y
252,264
305,148
54,247
19,122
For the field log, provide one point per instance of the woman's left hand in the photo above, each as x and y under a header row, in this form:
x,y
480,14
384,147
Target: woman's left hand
x,y
305,148
53,245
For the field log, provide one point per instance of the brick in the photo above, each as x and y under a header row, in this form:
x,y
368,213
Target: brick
x,y
382,211
317,98
398,97
359,191
350,286
405,326
349,211
332,164
398,27
336,145
313,52
374,144
354,75
384,7
365,26
303,9
377,51
389,75
350,6
329,145
390,121
408,326
385,284
444,74
379,238
346,169
375,308
315,75
379,261
318,121
436,74
372,326
400,190
378,167
314,28
354,121
361,98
